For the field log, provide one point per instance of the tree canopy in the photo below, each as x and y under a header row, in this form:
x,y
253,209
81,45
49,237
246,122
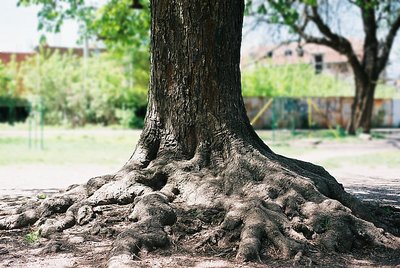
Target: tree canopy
x,y
116,23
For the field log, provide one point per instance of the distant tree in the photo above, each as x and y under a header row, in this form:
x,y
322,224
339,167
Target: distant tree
x,y
73,93
317,21
125,32
116,22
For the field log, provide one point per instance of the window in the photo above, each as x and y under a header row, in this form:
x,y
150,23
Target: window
x,y
288,52
318,63
270,54
300,51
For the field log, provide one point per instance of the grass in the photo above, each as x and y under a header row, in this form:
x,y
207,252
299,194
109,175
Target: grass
x,y
99,146
95,146
32,237
114,146
389,159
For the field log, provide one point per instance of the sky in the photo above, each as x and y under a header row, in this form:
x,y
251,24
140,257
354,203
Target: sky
x,y
18,33
18,29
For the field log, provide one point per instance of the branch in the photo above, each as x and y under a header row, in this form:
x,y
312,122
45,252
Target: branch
x,y
330,39
369,23
370,41
386,46
335,41
342,45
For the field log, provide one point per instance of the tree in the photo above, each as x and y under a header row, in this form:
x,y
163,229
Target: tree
x,y
73,92
198,150
317,21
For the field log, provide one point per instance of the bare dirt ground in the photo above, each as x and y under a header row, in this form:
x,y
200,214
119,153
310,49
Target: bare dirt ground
x,y
372,182
19,248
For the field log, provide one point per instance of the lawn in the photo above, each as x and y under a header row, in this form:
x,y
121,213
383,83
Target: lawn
x,y
66,146
74,155
113,146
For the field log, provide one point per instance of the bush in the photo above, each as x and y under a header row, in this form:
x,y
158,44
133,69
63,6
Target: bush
x,y
300,80
76,92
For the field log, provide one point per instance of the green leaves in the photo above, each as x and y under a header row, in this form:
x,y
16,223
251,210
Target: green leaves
x,y
310,2
262,10
117,24
32,237
53,13
75,93
295,80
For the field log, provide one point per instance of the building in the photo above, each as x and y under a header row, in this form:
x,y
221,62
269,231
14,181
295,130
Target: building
x,y
80,52
6,57
323,58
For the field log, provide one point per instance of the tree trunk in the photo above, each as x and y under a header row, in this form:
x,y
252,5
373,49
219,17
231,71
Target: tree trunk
x,y
362,107
195,100
199,153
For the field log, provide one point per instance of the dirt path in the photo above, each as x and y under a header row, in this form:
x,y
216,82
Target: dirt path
x,y
379,183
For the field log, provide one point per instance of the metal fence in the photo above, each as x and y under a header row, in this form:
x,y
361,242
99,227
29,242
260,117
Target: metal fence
x,y
300,113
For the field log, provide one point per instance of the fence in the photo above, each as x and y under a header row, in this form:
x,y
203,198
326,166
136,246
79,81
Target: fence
x,y
316,112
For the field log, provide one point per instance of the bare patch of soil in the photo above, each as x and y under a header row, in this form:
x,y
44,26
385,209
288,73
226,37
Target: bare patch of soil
x,y
77,248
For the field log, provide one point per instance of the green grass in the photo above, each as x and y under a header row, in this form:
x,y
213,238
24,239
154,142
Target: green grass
x,y
389,159
104,146
32,237
68,147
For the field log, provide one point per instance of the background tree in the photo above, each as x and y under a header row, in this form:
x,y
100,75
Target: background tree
x,y
11,88
124,31
101,90
318,21
199,152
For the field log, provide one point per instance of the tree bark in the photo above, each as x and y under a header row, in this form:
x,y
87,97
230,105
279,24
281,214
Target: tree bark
x,y
362,106
195,100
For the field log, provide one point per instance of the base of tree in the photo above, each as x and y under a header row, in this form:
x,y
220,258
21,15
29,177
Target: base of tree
x,y
254,205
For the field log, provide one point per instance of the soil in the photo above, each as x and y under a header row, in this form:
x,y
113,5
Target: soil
x,y
19,248
77,249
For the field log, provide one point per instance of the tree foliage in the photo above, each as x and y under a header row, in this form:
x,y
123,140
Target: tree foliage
x,y
10,80
291,81
300,80
76,93
115,22
118,80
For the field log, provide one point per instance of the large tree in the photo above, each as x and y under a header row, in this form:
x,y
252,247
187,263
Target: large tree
x,y
321,22
198,150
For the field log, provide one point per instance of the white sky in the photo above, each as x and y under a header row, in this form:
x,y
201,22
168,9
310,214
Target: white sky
x,y
18,29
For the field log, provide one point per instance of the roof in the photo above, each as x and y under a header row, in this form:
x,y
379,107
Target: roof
x,y
288,53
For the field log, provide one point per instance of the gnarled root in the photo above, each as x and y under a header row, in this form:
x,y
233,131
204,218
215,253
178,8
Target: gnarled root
x,y
245,206
152,212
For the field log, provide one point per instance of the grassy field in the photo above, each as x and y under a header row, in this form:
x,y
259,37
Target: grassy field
x,y
388,158
112,146
66,146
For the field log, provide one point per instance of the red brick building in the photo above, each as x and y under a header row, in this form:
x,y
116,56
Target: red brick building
x,y
6,57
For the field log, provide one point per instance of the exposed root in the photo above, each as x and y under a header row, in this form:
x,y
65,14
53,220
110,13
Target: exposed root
x,y
151,213
257,206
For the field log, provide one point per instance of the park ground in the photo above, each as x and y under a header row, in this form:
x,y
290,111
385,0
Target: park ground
x,y
367,166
